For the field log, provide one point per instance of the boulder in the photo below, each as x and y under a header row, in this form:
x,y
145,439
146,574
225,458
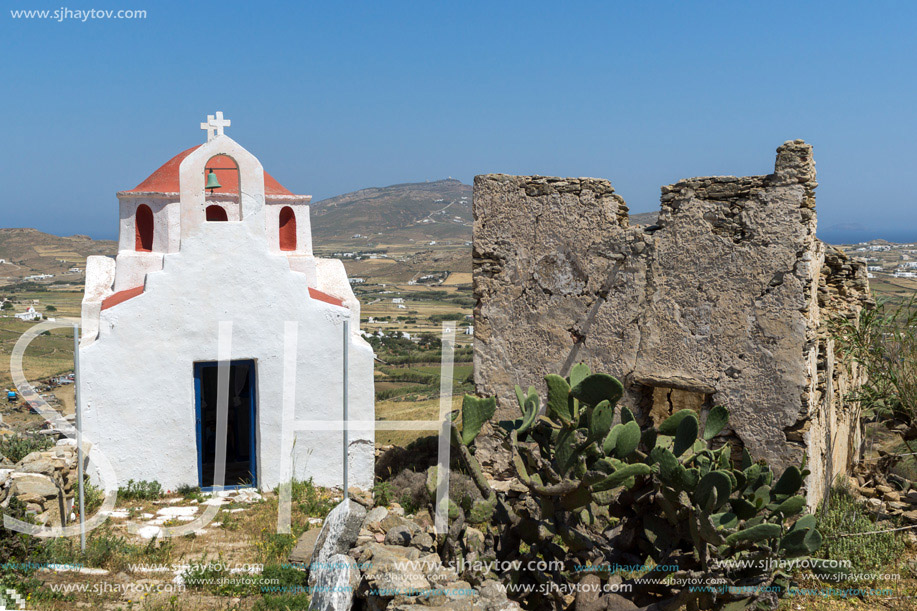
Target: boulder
x,y
393,569
33,486
377,514
363,497
493,594
335,584
423,541
393,521
339,533
589,594
399,535
473,540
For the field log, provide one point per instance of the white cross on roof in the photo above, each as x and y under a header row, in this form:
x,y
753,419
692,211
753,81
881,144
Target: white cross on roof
x,y
215,124
210,129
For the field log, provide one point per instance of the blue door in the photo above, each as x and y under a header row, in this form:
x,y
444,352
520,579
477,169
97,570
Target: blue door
x,y
241,451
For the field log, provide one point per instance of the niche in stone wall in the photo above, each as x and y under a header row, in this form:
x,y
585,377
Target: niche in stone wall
x,y
659,402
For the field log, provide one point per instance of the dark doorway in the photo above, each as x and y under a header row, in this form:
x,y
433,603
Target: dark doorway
x,y
240,424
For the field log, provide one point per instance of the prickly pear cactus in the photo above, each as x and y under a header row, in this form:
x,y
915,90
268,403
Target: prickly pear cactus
x,y
603,488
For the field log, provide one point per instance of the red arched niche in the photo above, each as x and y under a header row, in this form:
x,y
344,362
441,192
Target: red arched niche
x,y
216,213
287,229
143,229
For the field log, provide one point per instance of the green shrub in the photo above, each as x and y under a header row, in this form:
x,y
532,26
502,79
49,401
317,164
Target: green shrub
x,y
884,343
28,586
104,549
283,602
93,497
215,577
311,500
140,491
383,495
18,446
841,514
408,504
16,546
191,493
437,318
285,576
211,577
275,546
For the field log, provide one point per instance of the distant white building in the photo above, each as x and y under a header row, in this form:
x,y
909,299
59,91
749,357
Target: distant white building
x,y
398,300
29,314
469,330
401,306
39,277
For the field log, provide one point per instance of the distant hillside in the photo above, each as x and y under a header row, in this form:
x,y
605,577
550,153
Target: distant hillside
x,y
436,210
644,218
418,211
28,252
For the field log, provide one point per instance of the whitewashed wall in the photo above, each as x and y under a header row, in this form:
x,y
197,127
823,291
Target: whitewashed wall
x,y
138,384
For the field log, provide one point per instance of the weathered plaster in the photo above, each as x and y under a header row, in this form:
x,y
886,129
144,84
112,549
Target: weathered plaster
x,y
721,300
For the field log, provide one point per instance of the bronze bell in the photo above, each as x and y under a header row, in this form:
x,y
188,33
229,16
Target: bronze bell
x,y
212,182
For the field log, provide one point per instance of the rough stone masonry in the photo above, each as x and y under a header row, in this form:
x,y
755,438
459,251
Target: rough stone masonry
x,y
726,300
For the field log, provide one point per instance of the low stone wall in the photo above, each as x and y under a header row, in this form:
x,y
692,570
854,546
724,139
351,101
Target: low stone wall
x,y
45,482
725,301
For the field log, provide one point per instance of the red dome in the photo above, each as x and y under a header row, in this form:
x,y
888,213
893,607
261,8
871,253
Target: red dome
x,y
165,179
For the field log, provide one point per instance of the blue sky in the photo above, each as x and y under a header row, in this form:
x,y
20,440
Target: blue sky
x,y
334,97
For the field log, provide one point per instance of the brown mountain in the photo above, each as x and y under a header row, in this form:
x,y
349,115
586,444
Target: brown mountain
x,y
28,252
435,210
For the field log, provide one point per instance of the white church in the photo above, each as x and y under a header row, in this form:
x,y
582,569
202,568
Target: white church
x,y
214,265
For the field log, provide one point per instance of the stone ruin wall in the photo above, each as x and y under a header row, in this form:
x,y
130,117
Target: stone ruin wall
x,y
726,300
45,482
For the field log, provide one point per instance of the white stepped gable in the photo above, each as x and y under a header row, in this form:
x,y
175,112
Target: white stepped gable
x,y
190,266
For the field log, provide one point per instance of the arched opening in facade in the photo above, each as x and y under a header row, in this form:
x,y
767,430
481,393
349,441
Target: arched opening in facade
x,y
216,213
228,196
143,229
287,230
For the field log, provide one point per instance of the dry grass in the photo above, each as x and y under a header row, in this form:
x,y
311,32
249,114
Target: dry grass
x,y
242,539
458,278
408,410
